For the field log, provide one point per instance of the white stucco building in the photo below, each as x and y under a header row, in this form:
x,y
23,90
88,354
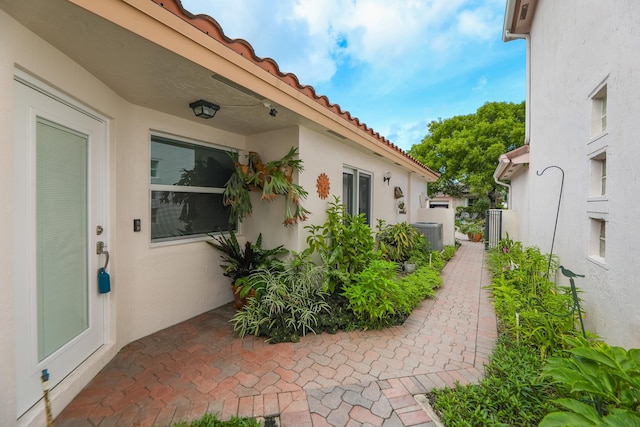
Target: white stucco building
x,y
582,124
86,87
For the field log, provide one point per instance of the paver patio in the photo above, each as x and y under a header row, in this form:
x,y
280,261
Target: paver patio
x,y
360,378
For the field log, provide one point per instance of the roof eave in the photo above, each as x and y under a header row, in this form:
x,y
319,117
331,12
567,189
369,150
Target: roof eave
x,y
518,17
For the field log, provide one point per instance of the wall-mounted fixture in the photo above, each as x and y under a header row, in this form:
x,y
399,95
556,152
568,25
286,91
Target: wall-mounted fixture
x,y
272,111
204,109
387,177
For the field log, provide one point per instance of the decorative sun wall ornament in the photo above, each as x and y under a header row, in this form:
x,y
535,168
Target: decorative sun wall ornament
x,y
323,185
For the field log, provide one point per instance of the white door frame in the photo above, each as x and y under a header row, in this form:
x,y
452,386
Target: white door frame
x,y
56,107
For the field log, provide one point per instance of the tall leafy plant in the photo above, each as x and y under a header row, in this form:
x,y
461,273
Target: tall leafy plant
x,y
344,242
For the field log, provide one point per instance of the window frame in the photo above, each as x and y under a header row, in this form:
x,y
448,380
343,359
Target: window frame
x,y
353,206
598,240
158,137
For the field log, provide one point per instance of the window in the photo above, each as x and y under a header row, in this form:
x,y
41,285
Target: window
x,y
598,175
599,112
187,182
598,238
356,192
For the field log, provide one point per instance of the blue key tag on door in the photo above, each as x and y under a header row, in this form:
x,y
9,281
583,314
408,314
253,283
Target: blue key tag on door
x,y
104,281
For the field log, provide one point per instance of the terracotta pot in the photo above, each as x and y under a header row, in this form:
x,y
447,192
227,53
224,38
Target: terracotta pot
x,y
475,237
238,301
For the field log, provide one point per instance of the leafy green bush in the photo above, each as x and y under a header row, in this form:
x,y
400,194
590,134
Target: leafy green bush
x,y
374,295
379,298
600,374
344,242
420,284
511,393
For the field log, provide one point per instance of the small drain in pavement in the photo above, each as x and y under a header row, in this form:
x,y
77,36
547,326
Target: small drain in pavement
x,y
272,421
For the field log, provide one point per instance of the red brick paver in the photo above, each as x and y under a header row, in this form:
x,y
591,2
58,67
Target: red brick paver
x,y
349,378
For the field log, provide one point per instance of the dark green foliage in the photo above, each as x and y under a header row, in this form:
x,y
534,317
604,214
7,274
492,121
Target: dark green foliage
x,y
241,261
211,420
511,393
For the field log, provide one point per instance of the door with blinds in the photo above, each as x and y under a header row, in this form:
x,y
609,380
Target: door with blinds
x,y
60,207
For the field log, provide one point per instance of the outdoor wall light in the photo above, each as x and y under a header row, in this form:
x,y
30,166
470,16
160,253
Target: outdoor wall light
x,y
204,109
272,111
387,177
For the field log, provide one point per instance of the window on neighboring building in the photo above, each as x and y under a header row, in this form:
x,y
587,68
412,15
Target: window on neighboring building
x,y
186,189
599,112
598,239
356,192
599,175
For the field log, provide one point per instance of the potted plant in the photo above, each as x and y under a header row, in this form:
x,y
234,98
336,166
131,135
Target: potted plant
x,y
472,228
272,179
240,261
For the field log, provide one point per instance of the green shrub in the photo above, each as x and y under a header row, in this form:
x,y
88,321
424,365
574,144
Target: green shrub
x,y
510,394
344,242
448,252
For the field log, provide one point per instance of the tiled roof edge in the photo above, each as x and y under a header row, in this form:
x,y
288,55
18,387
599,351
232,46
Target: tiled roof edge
x,y
211,27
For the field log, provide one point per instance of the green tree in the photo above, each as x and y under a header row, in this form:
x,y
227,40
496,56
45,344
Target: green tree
x,y
465,149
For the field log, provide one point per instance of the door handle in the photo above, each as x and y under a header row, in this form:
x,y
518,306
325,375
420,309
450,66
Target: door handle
x,y
100,250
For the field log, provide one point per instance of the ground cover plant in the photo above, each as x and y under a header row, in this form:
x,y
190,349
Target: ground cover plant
x,y
542,370
211,420
510,393
346,279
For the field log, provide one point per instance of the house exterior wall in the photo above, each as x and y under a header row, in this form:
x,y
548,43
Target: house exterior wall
x,y
326,154
577,48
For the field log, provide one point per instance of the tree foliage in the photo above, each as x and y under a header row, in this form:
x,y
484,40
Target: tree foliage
x,y
465,149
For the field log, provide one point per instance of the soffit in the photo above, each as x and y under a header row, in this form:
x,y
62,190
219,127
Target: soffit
x,y
513,163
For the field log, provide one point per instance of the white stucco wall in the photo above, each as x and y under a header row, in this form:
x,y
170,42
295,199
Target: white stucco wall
x,y
326,154
446,217
577,47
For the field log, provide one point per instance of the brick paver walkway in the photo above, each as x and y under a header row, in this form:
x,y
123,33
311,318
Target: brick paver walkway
x,y
360,378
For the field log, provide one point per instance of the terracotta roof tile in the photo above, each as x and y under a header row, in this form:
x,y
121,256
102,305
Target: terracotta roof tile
x,y
210,26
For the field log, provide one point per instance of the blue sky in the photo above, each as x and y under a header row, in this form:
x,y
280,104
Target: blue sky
x,y
395,65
